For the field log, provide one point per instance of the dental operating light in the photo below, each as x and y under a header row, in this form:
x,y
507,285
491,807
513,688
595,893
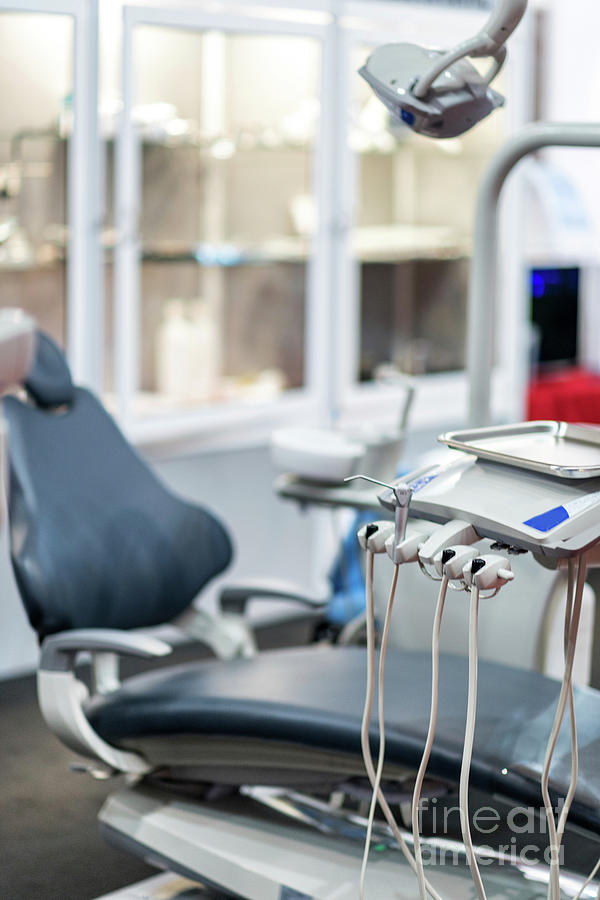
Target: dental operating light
x,y
440,93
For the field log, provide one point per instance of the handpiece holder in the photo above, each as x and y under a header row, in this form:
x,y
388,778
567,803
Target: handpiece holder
x,y
402,495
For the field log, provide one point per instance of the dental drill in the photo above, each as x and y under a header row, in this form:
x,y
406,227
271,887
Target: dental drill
x,y
486,573
461,568
378,538
444,561
372,542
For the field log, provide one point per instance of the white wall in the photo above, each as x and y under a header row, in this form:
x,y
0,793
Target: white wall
x,y
572,88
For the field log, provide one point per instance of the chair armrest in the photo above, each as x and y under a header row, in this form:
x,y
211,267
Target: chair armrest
x,y
59,650
234,598
62,696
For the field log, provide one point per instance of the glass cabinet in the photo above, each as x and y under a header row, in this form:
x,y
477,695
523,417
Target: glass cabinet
x,y
50,210
33,164
219,209
270,246
228,212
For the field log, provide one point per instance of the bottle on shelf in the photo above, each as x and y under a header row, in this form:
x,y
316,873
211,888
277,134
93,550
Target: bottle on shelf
x,y
187,351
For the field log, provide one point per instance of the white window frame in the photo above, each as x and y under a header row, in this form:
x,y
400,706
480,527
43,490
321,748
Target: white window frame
x,y
440,398
84,302
221,423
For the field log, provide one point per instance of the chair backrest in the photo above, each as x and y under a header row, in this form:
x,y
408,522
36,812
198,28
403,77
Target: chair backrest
x,y
96,539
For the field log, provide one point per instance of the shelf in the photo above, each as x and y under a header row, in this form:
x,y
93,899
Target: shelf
x,y
32,266
379,244
386,243
228,255
402,243
223,148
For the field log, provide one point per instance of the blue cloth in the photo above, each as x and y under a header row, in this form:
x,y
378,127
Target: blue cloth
x,y
347,578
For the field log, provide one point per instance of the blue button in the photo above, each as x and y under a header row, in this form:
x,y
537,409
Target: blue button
x,y
407,117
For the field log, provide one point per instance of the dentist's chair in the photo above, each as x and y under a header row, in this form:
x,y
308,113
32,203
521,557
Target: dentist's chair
x,y
100,547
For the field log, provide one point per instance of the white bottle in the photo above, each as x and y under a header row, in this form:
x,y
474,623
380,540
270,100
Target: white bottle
x,y
204,351
172,351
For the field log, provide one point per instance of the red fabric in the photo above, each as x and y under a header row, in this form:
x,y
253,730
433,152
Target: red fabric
x,y
572,395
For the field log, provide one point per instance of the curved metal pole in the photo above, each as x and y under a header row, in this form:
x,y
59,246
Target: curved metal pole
x,y
482,288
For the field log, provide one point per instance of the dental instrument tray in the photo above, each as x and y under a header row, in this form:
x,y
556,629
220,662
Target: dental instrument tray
x,y
553,448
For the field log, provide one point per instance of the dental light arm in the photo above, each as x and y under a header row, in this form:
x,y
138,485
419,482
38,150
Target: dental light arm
x,y
489,41
500,26
407,78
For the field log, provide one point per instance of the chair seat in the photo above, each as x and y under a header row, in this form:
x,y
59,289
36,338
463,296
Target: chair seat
x,y
296,706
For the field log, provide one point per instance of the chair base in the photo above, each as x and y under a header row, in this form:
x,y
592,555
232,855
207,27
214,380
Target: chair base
x,y
243,849
165,886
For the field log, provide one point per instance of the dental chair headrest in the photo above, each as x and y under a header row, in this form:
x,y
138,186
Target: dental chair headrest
x,y
49,380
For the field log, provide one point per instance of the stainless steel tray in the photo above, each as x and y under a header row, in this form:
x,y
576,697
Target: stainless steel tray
x,y
554,448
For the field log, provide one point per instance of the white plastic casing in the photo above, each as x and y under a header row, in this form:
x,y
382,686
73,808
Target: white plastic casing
x,y
61,696
453,569
316,454
406,551
448,535
377,540
492,576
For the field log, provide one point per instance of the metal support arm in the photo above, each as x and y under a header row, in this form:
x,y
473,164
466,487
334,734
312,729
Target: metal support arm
x,y
234,598
61,695
482,291
59,650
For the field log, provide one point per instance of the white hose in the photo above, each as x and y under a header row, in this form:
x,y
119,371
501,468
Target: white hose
x,y
366,747
588,881
465,771
565,692
381,717
572,720
435,666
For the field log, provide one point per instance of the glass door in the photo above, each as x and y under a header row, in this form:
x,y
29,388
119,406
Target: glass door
x,y
48,206
218,215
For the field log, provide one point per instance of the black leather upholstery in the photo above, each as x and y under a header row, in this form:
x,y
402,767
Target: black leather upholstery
x,y
96,539
49,379
313,697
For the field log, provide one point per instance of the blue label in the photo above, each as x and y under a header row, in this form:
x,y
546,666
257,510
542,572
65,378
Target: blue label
x,y
548,520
